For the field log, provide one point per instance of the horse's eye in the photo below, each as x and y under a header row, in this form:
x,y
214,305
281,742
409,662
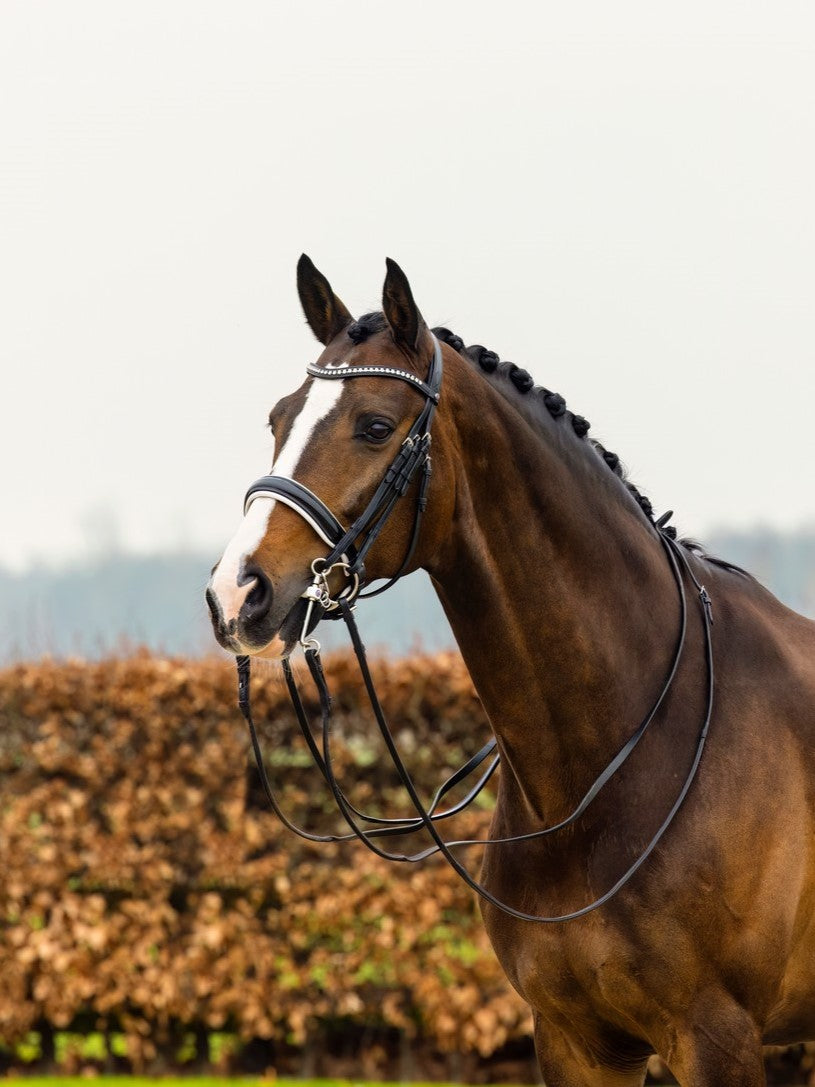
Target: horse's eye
x,y
377,431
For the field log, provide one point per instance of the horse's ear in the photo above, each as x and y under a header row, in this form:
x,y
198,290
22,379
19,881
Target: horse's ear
x,y
325,313
401,312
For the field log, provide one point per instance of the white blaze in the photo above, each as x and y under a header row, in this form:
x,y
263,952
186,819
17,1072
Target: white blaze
x,y
321,398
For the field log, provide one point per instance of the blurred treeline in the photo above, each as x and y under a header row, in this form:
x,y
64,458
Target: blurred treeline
x,y
118,600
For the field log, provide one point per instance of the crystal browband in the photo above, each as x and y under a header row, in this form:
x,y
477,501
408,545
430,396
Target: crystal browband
x,y
373,371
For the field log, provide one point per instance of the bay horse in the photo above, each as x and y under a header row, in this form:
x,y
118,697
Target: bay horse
x,y
552,572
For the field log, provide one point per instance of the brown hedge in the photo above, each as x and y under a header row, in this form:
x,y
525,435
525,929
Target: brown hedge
x,y
146,888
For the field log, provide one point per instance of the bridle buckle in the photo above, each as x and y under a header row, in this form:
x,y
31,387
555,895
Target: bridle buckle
x,y
319,593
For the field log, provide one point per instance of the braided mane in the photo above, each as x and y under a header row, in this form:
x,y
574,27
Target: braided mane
x,y
513,380
517,380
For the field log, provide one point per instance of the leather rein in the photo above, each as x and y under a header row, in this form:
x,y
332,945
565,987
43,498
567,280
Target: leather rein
x,y
348,549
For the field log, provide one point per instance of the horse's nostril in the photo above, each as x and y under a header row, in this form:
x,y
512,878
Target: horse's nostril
x,y
259,598
212,604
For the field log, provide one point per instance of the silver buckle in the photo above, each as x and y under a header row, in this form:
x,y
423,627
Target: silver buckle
x,y
318,592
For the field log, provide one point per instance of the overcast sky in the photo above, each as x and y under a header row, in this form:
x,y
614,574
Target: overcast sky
x,y
617,196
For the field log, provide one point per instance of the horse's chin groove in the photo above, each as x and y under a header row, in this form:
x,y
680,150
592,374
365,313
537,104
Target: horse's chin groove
x,y
276,650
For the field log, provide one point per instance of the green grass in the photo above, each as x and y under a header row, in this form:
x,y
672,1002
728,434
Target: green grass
x,y
197,1081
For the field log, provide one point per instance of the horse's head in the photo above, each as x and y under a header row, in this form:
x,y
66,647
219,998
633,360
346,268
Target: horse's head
x,y
337,438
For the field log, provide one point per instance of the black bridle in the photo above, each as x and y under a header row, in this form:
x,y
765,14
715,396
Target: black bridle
x,y
348,549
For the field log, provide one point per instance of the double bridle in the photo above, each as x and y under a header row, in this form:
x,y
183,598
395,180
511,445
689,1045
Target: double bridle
x,y
350,546
348,549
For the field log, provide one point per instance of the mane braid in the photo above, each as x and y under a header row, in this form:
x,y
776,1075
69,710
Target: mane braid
x,y
523,383
365,326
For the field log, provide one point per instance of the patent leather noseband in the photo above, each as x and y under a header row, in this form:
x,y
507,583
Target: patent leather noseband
x,y
303,501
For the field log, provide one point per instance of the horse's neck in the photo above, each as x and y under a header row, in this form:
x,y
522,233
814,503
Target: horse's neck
x,y
561,601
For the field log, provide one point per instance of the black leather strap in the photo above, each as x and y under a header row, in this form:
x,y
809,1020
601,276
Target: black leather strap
x,y
303,501
414,455
352,544
428,817
383,827
674,552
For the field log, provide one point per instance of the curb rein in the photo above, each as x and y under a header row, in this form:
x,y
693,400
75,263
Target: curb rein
x,y
348,555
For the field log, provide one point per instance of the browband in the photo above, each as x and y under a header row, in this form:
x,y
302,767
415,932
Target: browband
x,y
376,371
